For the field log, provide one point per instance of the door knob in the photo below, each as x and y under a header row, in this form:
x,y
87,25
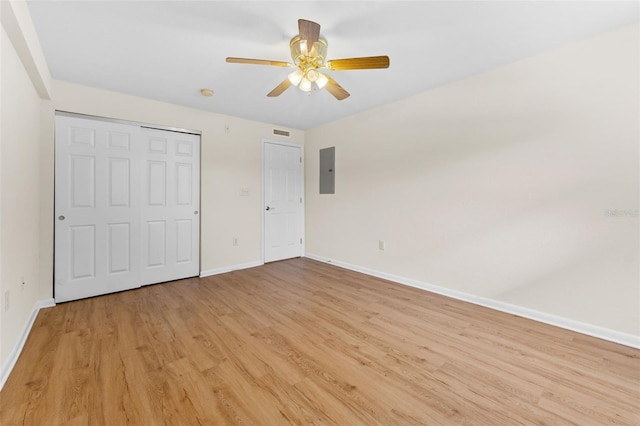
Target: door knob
x,y
61,217
270,208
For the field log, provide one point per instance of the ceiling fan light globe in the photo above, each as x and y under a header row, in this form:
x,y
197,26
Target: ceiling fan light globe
x,y
295,77
322,81
305,85
312,75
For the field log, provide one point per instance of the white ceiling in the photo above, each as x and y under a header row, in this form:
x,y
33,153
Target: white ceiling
x,y
169,50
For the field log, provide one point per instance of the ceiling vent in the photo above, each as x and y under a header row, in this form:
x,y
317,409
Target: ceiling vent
x,y
280,132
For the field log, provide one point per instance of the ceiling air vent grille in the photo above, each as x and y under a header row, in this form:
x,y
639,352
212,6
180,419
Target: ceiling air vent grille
x,y
280,132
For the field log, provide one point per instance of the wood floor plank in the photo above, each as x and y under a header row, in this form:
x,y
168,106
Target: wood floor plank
x,y
303,342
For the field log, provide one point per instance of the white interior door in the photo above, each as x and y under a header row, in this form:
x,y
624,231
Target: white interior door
x,y
283,212
171,203
126,206
97,208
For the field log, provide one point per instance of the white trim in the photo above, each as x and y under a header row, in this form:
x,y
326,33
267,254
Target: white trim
x,y
61,113
566,323
225,269
17,22
302,194
17,349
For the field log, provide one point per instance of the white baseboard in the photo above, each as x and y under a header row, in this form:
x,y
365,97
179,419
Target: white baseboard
x,y
225,269
569,324
17,348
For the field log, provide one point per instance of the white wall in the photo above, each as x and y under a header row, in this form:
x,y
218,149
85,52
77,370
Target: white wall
x,y
3,41
19,193
24,94
229,161
498,186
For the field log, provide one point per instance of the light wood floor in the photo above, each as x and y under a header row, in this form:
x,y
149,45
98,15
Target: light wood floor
x,y
304,342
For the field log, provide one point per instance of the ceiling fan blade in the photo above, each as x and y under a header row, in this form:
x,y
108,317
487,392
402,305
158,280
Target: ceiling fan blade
x,y
309,31
335,89
368,62
279,88
258,62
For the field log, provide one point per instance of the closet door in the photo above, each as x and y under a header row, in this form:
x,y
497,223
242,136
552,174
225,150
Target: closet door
x,y
127,205
171,204
97,208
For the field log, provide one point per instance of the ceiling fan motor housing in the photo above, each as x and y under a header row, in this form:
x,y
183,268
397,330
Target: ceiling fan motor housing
x,y
307,57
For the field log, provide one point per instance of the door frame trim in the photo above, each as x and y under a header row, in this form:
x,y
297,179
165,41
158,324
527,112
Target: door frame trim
x,y
266,141
129,122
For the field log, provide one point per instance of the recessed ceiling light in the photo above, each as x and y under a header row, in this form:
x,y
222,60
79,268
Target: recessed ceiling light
x,y
206,92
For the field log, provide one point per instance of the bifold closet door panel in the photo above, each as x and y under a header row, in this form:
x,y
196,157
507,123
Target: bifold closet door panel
x,y
170,206
97,208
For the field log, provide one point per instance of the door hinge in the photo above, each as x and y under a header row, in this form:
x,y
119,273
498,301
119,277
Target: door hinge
x,y
300,160
300,240
300,199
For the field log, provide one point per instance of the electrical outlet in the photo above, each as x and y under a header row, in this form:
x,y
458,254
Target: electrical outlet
x,y
7,300
235,241
381,245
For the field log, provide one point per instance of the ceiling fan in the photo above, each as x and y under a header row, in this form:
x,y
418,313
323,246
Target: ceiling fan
x,y
309,52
